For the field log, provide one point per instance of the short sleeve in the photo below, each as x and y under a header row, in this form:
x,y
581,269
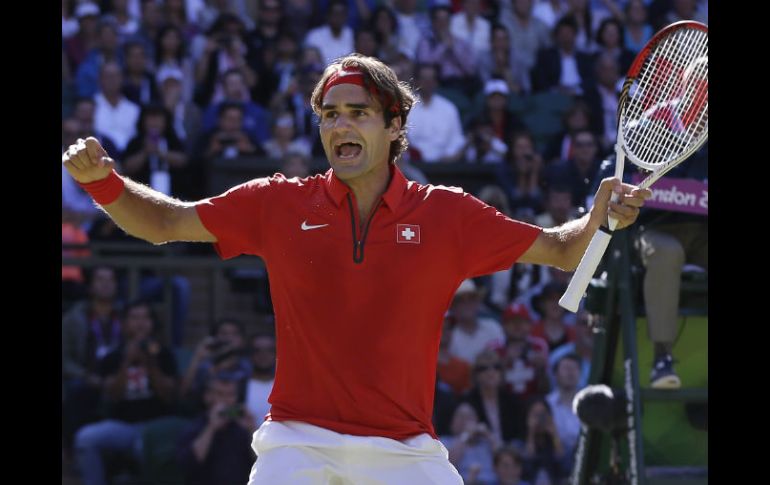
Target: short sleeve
x,y
235,217
490,241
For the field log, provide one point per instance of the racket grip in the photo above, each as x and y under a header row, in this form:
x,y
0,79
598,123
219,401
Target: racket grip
x,y
585,270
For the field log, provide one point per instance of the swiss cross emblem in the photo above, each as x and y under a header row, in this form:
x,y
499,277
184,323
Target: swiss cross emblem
x,y
408,233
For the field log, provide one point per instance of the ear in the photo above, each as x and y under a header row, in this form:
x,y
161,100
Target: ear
x,y
394,130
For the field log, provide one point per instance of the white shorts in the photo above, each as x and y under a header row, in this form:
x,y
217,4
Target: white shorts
x,y
297,453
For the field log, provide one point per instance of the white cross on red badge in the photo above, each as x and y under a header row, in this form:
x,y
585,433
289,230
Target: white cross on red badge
x,y
408,233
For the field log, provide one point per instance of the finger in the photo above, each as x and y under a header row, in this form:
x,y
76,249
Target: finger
x,y
73,158
633,201
106,162
81,154
626,211
95,149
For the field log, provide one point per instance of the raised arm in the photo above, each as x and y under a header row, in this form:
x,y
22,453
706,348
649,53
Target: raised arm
x,y
138,210
563,246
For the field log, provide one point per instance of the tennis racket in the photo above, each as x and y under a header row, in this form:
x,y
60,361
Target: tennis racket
x,y
662,120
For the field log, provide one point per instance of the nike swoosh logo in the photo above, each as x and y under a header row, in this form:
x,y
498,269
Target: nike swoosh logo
x,y
306,227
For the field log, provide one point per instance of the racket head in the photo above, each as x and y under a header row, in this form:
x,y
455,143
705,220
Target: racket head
x,y
663,107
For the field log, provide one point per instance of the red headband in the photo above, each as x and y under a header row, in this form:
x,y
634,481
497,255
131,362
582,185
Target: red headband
x,y
353,75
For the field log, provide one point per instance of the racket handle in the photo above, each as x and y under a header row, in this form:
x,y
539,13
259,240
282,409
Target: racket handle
x,y
585,270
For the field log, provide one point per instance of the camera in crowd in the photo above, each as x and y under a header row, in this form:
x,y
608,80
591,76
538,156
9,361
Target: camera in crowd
x,y
232,412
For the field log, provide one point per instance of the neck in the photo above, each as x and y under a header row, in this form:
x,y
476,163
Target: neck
x,y
101,308
113,99
488,393
368,190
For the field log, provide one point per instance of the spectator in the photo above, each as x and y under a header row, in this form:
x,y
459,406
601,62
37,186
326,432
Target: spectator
x,y
543,452
452,370
638,30
386,30
186,117
224,51
170,54
296,165
472,333
493,125
552,327
508,467
105,50
149,25
115,116
139,385
562,68
359,11
435,134
334,39
303,13
549,11
283,141
260,383
155,156
602,99
521,176
580,171
220,354
586,20
365,42
453,56
500,63
494,403
411,25
558,207
567,373
256,119
525,357
138,82
577,117
123,19
90,330
609,40
583,347
528,35
79,44
215,447
469,25
471,445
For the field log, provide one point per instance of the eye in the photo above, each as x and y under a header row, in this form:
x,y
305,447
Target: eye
x,y
330,114
358,113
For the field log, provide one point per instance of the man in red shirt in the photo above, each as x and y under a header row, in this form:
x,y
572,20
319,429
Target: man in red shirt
x,y
362,265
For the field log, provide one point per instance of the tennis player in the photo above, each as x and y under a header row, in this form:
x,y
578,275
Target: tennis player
x,y
362,266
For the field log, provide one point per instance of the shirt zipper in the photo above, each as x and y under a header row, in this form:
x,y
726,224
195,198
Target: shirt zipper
x,y
358,244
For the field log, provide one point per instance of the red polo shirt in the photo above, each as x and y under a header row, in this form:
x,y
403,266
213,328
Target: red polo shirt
x,y
359,312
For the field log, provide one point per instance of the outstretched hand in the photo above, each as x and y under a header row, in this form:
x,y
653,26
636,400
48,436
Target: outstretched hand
x,y
87,161
630,199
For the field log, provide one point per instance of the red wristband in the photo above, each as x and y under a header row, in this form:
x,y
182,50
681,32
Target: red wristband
x,y
107,190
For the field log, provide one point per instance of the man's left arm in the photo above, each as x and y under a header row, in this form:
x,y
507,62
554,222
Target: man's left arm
x,y
564,246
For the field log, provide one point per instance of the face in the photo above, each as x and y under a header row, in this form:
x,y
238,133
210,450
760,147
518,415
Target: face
x,y
337,16
230,333
427,80
497,101
111,79
567,374
103,284
383,22
84,113
637,13
108,38
234,86
221,392
500,40
354,135
565,38
263,353
171,41
559,204
231,120
508,469
522,7
611,35
538,412
295,166
489,372
472,7
463,418
585,149
607,71
441,20
138,323
366,44
517,328
155,123
465,306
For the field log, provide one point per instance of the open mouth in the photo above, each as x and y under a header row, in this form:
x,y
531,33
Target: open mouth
x,y
347,150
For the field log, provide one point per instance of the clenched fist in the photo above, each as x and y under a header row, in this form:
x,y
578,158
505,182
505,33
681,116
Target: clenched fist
x,y
86,161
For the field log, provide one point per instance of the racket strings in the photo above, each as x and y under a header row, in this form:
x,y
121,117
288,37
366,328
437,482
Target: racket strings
x,y
667,113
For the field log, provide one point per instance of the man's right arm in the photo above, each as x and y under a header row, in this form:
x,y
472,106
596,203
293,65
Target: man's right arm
x,y
139,210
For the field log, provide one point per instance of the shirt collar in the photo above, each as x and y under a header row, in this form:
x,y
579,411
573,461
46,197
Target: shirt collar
x,y
337,189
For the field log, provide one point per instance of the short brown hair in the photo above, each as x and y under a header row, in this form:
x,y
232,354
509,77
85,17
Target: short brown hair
x,y
382,77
